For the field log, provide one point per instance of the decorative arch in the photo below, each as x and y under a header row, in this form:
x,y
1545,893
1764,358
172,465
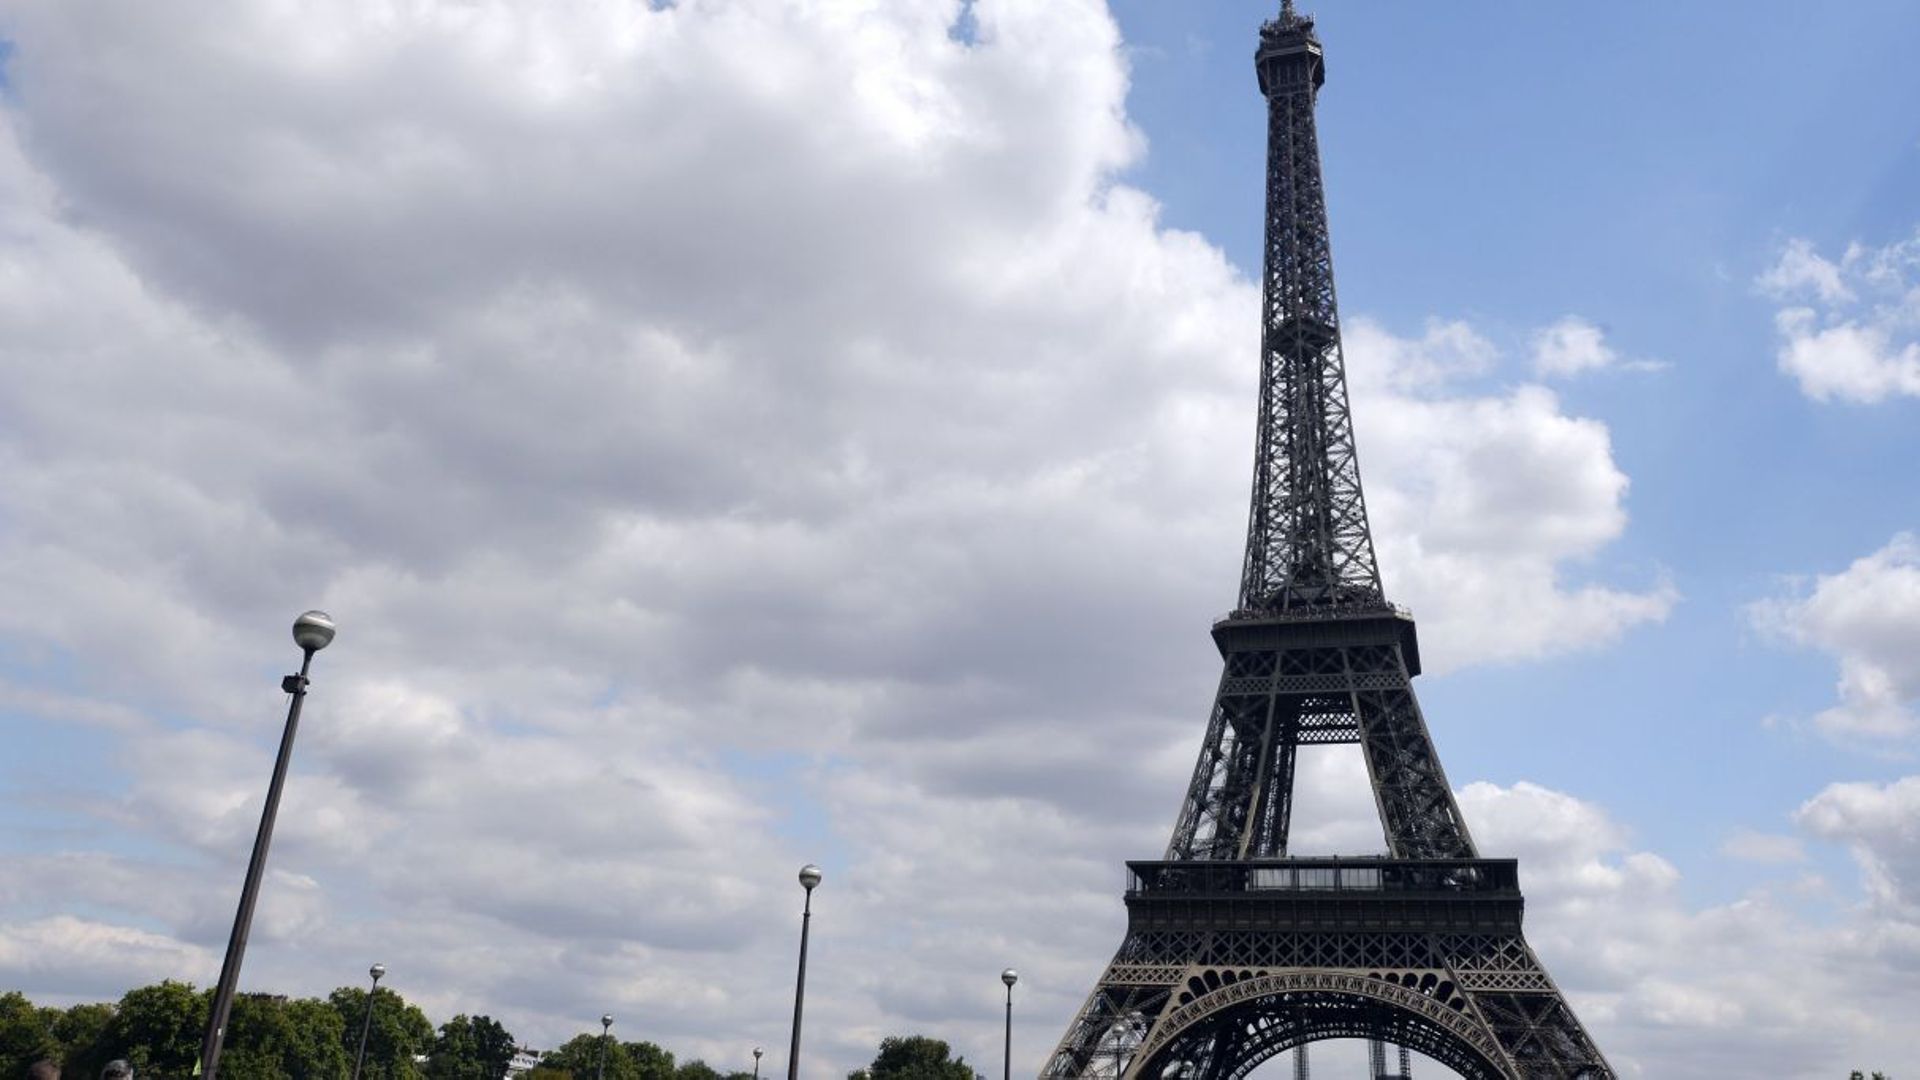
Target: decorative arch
x,y
1265,1013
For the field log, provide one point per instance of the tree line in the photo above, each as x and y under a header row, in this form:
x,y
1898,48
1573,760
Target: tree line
x,y
158,1028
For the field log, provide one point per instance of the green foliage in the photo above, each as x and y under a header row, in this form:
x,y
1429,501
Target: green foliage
x,y
580,1056
397,1032
915,1057
273,1038
26,1034
82,1031
700,1070
158,1030
1858,1075
652,1061
470,1048
73,1038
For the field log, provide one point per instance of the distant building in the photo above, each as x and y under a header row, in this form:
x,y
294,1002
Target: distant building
x,y
523,1062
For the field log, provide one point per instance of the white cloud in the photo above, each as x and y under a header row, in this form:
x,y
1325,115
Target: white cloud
x,y
1857,344
68,955
1671,989
1880,824
1759,847
1868,618
1801,269
1483,506
1571,346
693,501
1446,350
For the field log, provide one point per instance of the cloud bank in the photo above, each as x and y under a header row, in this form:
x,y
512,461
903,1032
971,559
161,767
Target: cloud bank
x,y
729,435
1849,330
1868,618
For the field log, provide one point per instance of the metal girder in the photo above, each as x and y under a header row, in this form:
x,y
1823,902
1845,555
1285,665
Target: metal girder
x,y
1308,544
1235,952
1272,701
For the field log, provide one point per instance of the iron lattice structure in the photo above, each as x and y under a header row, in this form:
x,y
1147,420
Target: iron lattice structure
x,y
1235,951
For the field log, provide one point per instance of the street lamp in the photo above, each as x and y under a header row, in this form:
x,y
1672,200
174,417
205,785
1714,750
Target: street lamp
x,y
606,1026
756,1062
311,631
1009,977
809,879
366,1020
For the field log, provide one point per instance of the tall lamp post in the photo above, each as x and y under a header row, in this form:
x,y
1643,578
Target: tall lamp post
x,y
809,879
311,631
756,1062
366,1020
606,1027
1009,977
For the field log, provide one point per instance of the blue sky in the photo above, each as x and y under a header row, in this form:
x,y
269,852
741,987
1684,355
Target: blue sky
x,y
737,433
1640,164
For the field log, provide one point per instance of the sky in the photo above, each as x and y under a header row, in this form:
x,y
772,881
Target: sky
x,y
738,433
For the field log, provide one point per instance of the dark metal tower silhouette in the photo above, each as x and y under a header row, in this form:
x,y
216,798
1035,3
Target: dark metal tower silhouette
x,y
1236,952
1377,1062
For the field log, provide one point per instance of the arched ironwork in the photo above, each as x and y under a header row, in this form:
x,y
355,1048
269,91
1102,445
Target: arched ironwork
x,y
1233,1028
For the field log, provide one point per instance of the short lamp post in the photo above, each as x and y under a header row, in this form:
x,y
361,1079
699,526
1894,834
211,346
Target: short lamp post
x,y
809,880
606,1030
366,1019
1009,977
756,1062
312,631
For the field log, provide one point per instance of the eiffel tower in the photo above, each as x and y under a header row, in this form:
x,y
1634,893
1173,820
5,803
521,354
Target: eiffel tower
x,y
1234,951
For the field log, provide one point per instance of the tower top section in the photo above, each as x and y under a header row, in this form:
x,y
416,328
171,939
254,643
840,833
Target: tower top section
x,y
1289,56
1309,550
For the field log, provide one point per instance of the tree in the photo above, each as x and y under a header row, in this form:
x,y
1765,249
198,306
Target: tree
x,y
82,1031
470,1048
651,1061
696,1070
396,1033
26,1034
158,1030
580,1057
915,1057
269,1037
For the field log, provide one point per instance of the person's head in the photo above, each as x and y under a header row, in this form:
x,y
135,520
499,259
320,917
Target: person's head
x,y
43,1070
117,1070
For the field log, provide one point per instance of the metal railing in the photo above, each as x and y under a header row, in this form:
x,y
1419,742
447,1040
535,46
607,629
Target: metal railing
x,y
1318,614
1337,874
